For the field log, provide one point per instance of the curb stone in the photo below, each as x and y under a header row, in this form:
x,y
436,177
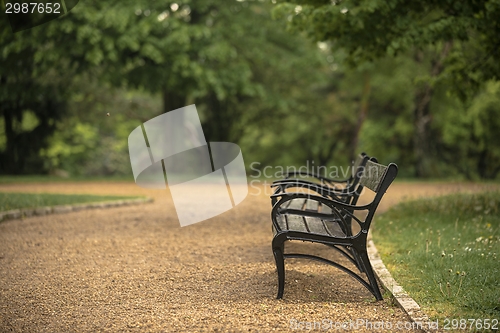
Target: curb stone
x,y
79,207
12,214
42,210
402,298
61,209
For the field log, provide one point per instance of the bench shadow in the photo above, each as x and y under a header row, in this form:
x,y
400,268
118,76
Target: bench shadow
x,y
306,281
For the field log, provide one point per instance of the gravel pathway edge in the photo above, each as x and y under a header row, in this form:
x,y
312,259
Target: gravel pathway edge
x,y
408,304
59,209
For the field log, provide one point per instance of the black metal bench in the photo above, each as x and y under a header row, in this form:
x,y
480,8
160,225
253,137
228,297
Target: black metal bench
x,y
342,190
335,223
338,189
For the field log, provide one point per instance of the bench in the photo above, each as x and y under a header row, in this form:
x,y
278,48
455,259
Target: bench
x,y
339,189
298,216
347,193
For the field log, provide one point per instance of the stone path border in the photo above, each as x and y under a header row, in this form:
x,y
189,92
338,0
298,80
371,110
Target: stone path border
x,y
40,211
402,298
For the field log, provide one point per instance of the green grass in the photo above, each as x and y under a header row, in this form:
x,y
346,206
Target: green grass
x,y
55,179
10,201
445,253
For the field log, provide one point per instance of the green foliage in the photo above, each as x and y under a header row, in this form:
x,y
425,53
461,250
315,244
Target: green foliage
x,y
90,143
62,146
370,29
442,47
233,61
464,134
444,252
283,99
470,133
9,201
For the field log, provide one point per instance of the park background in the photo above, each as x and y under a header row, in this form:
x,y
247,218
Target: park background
x,y
312,82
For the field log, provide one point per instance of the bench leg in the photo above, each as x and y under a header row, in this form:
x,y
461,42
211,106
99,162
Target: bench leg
x,y
280,266
365,261
358,260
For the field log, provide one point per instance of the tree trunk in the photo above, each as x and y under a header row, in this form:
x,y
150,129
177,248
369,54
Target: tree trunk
x,y
422,116
9,160
172,101
363,110
219,120
422,119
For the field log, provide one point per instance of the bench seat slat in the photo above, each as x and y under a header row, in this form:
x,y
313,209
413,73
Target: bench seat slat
x,y
334,229
316,226
325,209
282,221
310,225
296,223
312,205
296,204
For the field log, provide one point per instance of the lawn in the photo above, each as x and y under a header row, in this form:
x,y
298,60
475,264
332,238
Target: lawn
x,y
54,179
10,201
444,252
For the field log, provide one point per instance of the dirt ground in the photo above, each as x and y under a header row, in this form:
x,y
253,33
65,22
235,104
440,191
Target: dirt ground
x,y
135,269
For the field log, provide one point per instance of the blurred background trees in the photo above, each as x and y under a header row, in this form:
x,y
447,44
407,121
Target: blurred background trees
x,y
454,45
412,83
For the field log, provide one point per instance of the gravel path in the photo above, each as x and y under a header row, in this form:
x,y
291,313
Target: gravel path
x,y
134,269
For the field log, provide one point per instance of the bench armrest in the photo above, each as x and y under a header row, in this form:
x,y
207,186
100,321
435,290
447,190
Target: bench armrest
x,y
313,175
340,211
321,189
334,204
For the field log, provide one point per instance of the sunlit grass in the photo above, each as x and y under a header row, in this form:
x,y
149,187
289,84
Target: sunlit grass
x,y
9,201
444,252
55,179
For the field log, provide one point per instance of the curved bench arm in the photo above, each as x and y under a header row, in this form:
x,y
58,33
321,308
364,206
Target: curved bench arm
x,y
328,202
314,175
333,193
339,209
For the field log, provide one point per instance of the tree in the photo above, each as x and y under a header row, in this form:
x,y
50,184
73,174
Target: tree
x,y
177,50
472,136
460,42
371,29
231,59
21,93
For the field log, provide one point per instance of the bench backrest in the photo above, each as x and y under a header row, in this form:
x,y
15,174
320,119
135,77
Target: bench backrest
x,y
357,169
377,178
372,175
359,166
352,185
